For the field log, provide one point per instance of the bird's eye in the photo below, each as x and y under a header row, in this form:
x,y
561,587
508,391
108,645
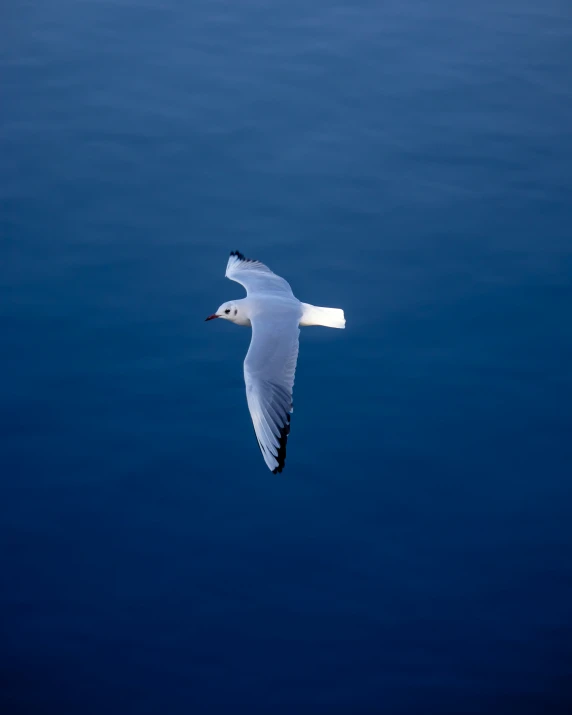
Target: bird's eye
x,y
227,311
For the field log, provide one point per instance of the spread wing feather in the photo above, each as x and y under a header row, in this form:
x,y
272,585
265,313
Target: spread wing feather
x,y
269,369
255,276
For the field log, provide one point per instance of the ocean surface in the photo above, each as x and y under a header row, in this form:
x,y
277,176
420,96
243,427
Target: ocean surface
x,y
408,162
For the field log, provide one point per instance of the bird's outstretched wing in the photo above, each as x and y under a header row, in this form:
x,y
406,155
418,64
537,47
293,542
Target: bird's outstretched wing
x,y
269,369
255,276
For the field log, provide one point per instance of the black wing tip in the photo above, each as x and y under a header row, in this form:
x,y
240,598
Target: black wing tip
x,y
242,257
281,456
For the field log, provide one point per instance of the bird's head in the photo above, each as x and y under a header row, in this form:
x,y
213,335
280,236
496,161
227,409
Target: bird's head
x,y
230,311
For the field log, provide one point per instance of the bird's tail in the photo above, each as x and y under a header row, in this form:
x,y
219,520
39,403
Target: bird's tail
x,y
329,317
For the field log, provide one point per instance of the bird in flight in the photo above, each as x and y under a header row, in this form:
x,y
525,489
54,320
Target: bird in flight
x,y
275,315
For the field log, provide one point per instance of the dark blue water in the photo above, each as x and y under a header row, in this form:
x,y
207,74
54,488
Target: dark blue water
x,y
409,162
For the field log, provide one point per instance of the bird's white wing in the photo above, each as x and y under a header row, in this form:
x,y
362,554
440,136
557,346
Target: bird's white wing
x,y
269,370
255,276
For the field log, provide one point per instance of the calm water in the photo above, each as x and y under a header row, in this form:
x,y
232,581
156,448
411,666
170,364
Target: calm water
x,y
409,162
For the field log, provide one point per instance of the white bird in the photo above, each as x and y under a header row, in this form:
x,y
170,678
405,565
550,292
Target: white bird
x,y
275,315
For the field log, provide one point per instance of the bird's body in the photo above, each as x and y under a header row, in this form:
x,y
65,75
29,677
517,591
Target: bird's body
x,y
275,315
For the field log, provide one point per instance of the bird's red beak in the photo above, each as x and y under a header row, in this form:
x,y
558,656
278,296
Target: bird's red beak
x,y
212,317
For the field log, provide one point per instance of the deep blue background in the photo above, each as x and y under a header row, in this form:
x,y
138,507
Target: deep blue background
x,y
409,162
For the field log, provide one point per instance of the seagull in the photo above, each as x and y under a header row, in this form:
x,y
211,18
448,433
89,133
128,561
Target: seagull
x,y
275,315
